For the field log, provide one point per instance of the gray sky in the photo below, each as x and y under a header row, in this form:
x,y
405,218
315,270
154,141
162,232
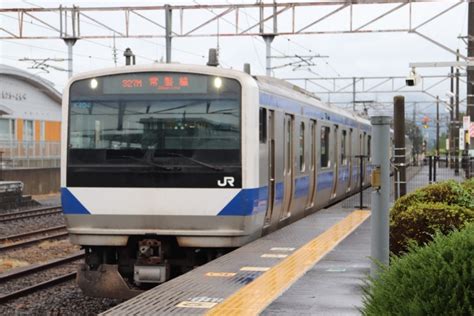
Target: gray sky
x,y
381,54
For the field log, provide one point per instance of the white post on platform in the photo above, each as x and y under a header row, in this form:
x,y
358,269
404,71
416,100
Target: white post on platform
x,y
380,196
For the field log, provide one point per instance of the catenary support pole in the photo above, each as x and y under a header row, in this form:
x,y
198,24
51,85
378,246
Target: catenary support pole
x,y
268,51
168,27
379,220
70,41
399,142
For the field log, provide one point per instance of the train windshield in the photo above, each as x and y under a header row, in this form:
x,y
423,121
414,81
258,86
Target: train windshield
x,y
154,130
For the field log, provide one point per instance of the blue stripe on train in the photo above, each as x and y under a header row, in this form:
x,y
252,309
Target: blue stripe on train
x,y
71,205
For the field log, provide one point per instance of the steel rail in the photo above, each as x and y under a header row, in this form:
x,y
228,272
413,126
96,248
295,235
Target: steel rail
x,y
30,213
38,268
37,287
30,233
15,273
32,241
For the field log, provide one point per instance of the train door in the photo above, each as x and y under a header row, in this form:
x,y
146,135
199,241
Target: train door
x,y
271,167
364,164
361,152
336,161
349,185
312,167
288,173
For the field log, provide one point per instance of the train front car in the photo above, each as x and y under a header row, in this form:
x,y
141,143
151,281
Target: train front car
x,y
159,171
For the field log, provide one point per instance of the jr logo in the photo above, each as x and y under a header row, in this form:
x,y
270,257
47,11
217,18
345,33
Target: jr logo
x,y
226,181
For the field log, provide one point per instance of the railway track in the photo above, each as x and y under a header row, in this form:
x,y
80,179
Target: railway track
x,y
31,270
58,232
30,213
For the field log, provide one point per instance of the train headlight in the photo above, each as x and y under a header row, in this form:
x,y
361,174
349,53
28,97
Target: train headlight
x,y
217,83
94,83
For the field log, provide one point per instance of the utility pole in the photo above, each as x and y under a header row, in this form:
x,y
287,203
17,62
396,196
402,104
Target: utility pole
x,y
470,69
399,143
451,116
458,123
379,220
114,52
353,94
415,133
168,31
437,127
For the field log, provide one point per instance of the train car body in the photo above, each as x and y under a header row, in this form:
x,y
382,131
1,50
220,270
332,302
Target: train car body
x,y
168,166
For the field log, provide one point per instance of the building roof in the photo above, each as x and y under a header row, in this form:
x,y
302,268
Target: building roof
x,y
43,85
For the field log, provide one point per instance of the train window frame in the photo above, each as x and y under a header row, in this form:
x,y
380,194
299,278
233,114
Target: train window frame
x,y
302,140
369,147
262,118
344,147
181,184
325,146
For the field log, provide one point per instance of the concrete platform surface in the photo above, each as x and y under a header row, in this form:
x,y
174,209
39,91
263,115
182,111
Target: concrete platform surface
x,y
333,285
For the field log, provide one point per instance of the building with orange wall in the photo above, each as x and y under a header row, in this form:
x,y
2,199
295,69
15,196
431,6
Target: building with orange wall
x,y
30,118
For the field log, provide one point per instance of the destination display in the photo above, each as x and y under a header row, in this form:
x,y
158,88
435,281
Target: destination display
x,y
150,83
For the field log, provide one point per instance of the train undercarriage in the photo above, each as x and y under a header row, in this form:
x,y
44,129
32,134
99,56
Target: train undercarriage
x,y
146,261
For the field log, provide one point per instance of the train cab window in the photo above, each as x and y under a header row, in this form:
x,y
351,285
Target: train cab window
x,y
343,147
325,147
263,125
369,153
301,147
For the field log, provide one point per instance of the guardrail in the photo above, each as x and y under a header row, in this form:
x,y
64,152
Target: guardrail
x,y
29,154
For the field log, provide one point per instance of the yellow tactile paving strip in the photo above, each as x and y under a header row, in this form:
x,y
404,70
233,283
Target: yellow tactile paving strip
x,y
254,297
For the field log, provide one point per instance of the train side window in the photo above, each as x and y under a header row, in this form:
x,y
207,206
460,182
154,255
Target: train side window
x,y
343,147
263,125
369,153
301,153
325,146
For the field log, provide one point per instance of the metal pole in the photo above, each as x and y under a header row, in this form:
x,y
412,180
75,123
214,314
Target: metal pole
x,y
353,94
430,169
379,219
268,51
361,184
470,69
451,116
437,126
456,129
399,141
168,26
70,41
435,161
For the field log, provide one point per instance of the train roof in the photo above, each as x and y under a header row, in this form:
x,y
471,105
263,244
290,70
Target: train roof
x,y
288,90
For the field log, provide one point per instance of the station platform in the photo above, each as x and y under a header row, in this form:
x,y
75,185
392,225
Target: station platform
x,y
250,278
315,266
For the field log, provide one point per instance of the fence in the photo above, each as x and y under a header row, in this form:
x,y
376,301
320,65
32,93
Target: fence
x,y
21,154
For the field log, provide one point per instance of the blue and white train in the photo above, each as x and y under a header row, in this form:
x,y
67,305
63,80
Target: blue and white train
x,y
164,167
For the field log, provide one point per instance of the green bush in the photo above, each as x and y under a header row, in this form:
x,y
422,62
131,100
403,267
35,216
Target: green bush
x,y
437,279
442,206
